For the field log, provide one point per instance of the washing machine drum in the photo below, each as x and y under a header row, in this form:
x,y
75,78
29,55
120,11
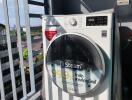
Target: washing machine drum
x,y
75,64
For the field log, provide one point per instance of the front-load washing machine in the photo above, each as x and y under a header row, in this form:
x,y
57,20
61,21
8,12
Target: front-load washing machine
x,y
78,57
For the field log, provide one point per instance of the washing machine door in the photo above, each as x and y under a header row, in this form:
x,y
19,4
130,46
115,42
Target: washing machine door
x,y
75,64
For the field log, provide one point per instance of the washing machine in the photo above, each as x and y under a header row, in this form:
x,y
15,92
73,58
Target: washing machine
x,y
78,56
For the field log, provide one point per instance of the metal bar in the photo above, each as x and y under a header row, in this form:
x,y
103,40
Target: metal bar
x,y
29,45
36,3
35,15
46,7
1,84
50,7
9,49
20,47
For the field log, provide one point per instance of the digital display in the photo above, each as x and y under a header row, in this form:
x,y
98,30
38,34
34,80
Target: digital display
x,y
96,21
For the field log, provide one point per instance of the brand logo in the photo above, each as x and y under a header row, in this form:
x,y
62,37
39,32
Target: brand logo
x,y
50,34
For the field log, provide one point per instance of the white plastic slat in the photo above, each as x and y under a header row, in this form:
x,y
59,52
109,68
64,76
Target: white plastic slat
x,y
20,47
1,84
29,45
9,49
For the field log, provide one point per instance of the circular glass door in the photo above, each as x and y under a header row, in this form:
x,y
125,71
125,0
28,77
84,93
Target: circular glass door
x,y
75,64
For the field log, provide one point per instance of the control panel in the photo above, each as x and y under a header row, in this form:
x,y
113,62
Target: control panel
x,y
96,21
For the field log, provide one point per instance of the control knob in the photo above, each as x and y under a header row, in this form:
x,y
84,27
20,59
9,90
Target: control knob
x,y
73,22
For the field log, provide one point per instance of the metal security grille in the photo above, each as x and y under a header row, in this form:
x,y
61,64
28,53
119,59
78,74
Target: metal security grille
x,y
13,62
